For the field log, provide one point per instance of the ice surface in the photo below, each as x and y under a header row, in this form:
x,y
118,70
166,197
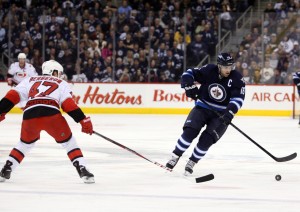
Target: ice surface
x,y
244,175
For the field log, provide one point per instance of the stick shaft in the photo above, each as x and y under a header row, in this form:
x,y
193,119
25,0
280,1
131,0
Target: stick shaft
x,y
132,151
277,159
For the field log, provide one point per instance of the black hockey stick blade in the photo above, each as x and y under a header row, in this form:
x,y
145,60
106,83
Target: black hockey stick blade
x,y
204,178
286,158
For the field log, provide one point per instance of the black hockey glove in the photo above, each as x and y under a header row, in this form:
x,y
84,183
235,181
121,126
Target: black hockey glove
x,y
191,91
226,117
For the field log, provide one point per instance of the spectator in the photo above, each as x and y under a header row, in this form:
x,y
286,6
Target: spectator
x,y
106,75
37,61
266,73
88,69
125,77
96,75
179,35
197,49
138,76
246,76
277,78
125,8
256,77
209,38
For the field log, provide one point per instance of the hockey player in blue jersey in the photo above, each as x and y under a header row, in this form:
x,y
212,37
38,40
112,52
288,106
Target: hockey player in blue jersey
x,y
222,89
296,79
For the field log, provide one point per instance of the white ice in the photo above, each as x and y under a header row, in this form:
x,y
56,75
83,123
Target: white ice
x,y
244,175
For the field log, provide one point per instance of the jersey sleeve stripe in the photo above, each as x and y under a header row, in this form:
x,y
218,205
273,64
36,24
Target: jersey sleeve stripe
x,y
236,104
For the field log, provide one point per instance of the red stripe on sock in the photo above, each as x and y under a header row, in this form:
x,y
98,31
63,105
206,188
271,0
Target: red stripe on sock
x,y
17,154
75,153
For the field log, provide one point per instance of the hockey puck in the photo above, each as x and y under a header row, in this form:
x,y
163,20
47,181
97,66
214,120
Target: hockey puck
x,y
278,177
204,178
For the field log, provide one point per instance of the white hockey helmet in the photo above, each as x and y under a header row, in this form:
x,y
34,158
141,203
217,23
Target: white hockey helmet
x,y
50,66
21,56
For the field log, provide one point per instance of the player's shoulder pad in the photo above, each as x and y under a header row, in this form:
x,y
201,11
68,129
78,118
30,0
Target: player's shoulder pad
x,y
14,64
237,79
208,67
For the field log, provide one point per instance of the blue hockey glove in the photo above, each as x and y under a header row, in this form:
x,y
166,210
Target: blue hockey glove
x,y
191,91
226,117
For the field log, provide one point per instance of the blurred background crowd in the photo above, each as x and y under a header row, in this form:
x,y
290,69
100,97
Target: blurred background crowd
x,y
151,40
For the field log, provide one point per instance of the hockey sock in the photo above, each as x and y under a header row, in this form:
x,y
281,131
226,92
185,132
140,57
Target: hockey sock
x,y
205,141
185,141
198,153
74,152
18,153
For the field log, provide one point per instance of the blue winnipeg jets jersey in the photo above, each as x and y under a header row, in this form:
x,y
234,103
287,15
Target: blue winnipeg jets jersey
x,y
296,78
219,93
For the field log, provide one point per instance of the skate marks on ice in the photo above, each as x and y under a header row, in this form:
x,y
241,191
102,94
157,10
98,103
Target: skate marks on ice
x,y
244,176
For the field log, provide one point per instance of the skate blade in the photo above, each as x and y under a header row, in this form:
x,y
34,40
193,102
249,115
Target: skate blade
x,y
88,180
187,174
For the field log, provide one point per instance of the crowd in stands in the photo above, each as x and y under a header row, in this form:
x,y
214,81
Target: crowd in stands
x,y
148,41
270,53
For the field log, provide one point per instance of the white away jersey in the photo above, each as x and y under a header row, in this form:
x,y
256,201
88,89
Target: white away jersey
x,y
19,73
45,91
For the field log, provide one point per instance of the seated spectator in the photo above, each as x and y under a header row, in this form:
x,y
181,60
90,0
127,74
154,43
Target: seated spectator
x,y
197,50
277,78
94,48
164,78
125,8
96,77
37,61
256,79
209,38
138,76
179,35
106,75
88,69
125,77
266,73
246,75
227,21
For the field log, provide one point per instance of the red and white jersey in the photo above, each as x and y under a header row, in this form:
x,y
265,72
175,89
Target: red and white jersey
x,y
19,73
46,91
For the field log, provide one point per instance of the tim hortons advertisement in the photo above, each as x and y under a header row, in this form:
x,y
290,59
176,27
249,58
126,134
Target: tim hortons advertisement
x,y
131,95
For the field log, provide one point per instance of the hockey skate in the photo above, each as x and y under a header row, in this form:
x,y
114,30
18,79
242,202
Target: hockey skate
x,y
84,174
6,171
189,167
173,161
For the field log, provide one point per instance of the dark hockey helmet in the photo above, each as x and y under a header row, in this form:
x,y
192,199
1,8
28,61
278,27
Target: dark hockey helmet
x,y
225,59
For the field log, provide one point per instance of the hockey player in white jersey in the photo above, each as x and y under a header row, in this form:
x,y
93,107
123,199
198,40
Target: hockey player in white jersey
x,y
20,70
44,96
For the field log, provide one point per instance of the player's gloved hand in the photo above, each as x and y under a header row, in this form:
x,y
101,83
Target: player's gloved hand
x,y
226,117
10,81
2,116
191,91
86,125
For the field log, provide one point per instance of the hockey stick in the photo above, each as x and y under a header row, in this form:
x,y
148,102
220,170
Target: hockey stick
x,y
132,151
277,159
198,179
